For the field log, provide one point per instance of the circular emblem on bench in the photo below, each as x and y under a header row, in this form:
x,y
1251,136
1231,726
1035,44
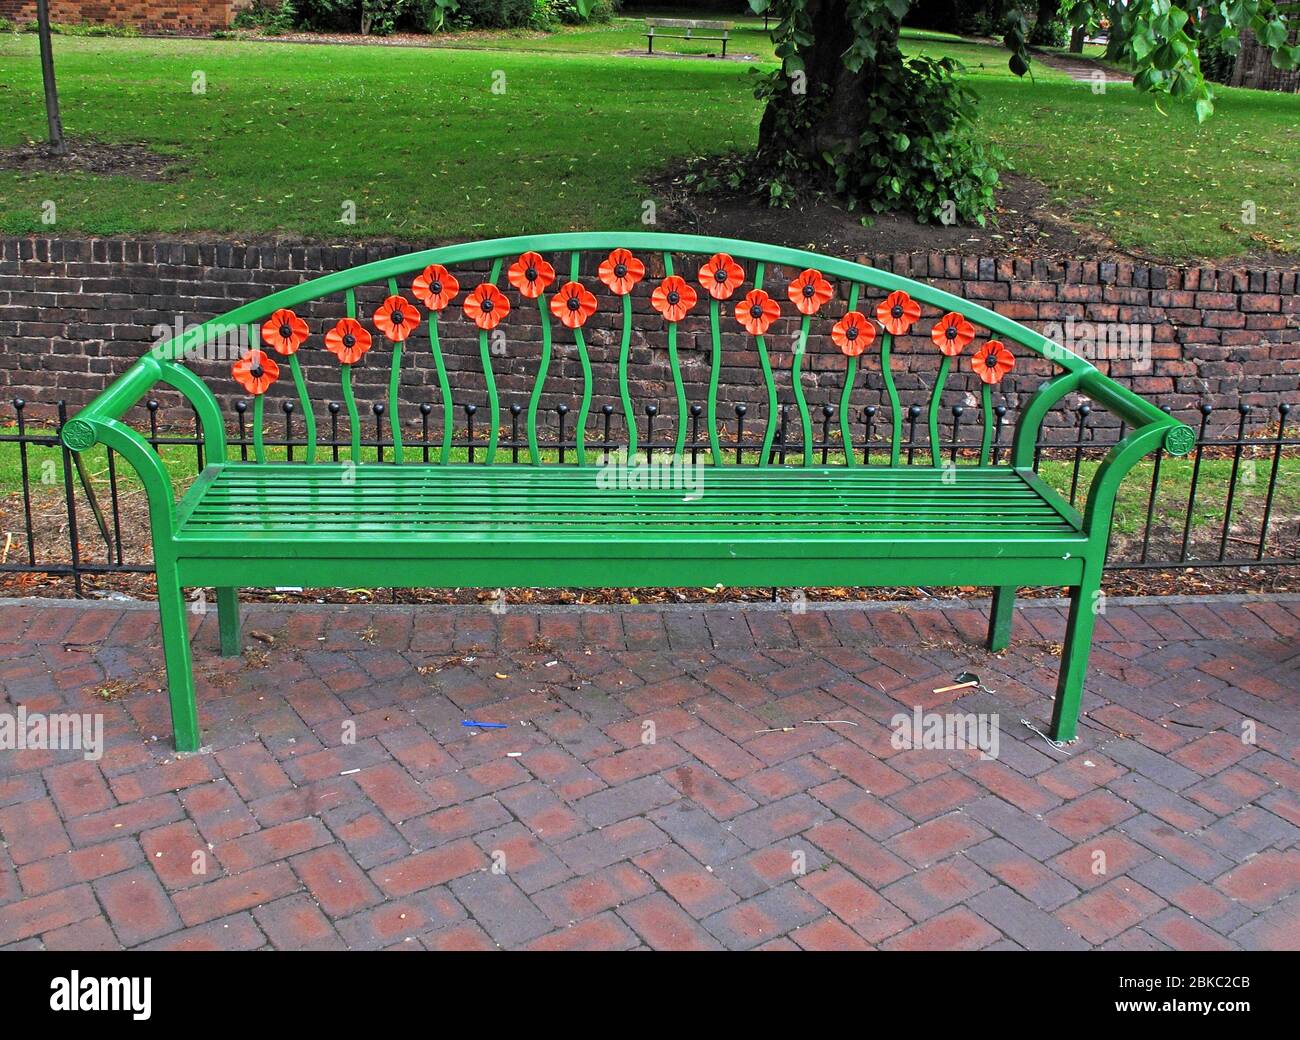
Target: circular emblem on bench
x,y
1180,440
78,434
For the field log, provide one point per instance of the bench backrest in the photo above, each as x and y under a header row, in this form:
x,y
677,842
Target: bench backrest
x,y
745,306
686,23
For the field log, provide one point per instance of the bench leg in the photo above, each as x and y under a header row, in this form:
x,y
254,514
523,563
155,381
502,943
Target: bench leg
x,y
1074,658
1004,601
228,621
176,651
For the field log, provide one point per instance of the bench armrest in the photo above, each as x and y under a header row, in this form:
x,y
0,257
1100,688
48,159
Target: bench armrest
x,y
85,429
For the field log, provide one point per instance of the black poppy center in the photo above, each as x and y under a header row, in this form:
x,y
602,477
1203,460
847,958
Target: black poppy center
x,y
991,360
951,332
620,270
756,311
851,333
574,303
674,298
435,288
485,306
349,340
285,331
531,274
897,311
808,291
719,276
397,316
255,371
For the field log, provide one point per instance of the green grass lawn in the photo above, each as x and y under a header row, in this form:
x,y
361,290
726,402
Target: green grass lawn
x,y
286,134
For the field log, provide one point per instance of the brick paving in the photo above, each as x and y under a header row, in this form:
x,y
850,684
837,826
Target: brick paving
x,y
633,799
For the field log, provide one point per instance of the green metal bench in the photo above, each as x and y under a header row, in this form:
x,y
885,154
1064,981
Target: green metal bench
x,y
493,524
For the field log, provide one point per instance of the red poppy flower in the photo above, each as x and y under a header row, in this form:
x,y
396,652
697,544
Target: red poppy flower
x,y
810,291
853,333
285,331
898,313
397,318
757,311
573,304
673,298
992,361
530,274
486,306
620,271
435,287
255,372
721,276
348,340
951,333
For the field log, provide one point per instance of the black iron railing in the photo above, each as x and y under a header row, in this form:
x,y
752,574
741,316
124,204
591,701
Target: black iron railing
x,y
1229,504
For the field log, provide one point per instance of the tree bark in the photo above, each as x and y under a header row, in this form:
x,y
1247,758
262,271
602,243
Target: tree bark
x,y
1076,40
58,145
840,94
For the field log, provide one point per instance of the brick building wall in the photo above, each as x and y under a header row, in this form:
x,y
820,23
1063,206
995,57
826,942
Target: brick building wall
x,y
190,16
75,313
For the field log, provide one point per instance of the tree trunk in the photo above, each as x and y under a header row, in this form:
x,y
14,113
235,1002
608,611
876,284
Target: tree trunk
x,y
841,97
57,143
1076,40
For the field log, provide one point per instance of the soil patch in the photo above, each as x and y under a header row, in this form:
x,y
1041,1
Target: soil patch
x,y
86,155
1023,226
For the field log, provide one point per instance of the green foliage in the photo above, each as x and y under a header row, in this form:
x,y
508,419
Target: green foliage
x,y
571,12
1159,40
7,26
328,15
379,17
270,16
1218,58
497,14
86,29
911,144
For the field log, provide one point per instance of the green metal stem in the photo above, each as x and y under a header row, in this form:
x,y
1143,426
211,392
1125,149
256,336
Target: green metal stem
x,y
349,399
679,446
895,412
715,368
796,379
580,438
534,453
768,381
485,355
846,433
935,401
624,351
394,382
354,420
308,418
259,450
850,379
444,387
986,407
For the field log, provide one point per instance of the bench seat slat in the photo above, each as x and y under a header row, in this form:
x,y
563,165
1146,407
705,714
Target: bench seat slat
x,y
459,505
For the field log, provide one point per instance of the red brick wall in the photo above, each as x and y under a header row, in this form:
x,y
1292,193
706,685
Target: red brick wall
x,y
75,313
172,15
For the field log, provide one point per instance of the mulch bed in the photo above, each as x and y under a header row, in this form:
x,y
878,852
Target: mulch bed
x,y
87,155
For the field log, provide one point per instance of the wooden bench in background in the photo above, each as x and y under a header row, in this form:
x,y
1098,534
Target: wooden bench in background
x,y
688,30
